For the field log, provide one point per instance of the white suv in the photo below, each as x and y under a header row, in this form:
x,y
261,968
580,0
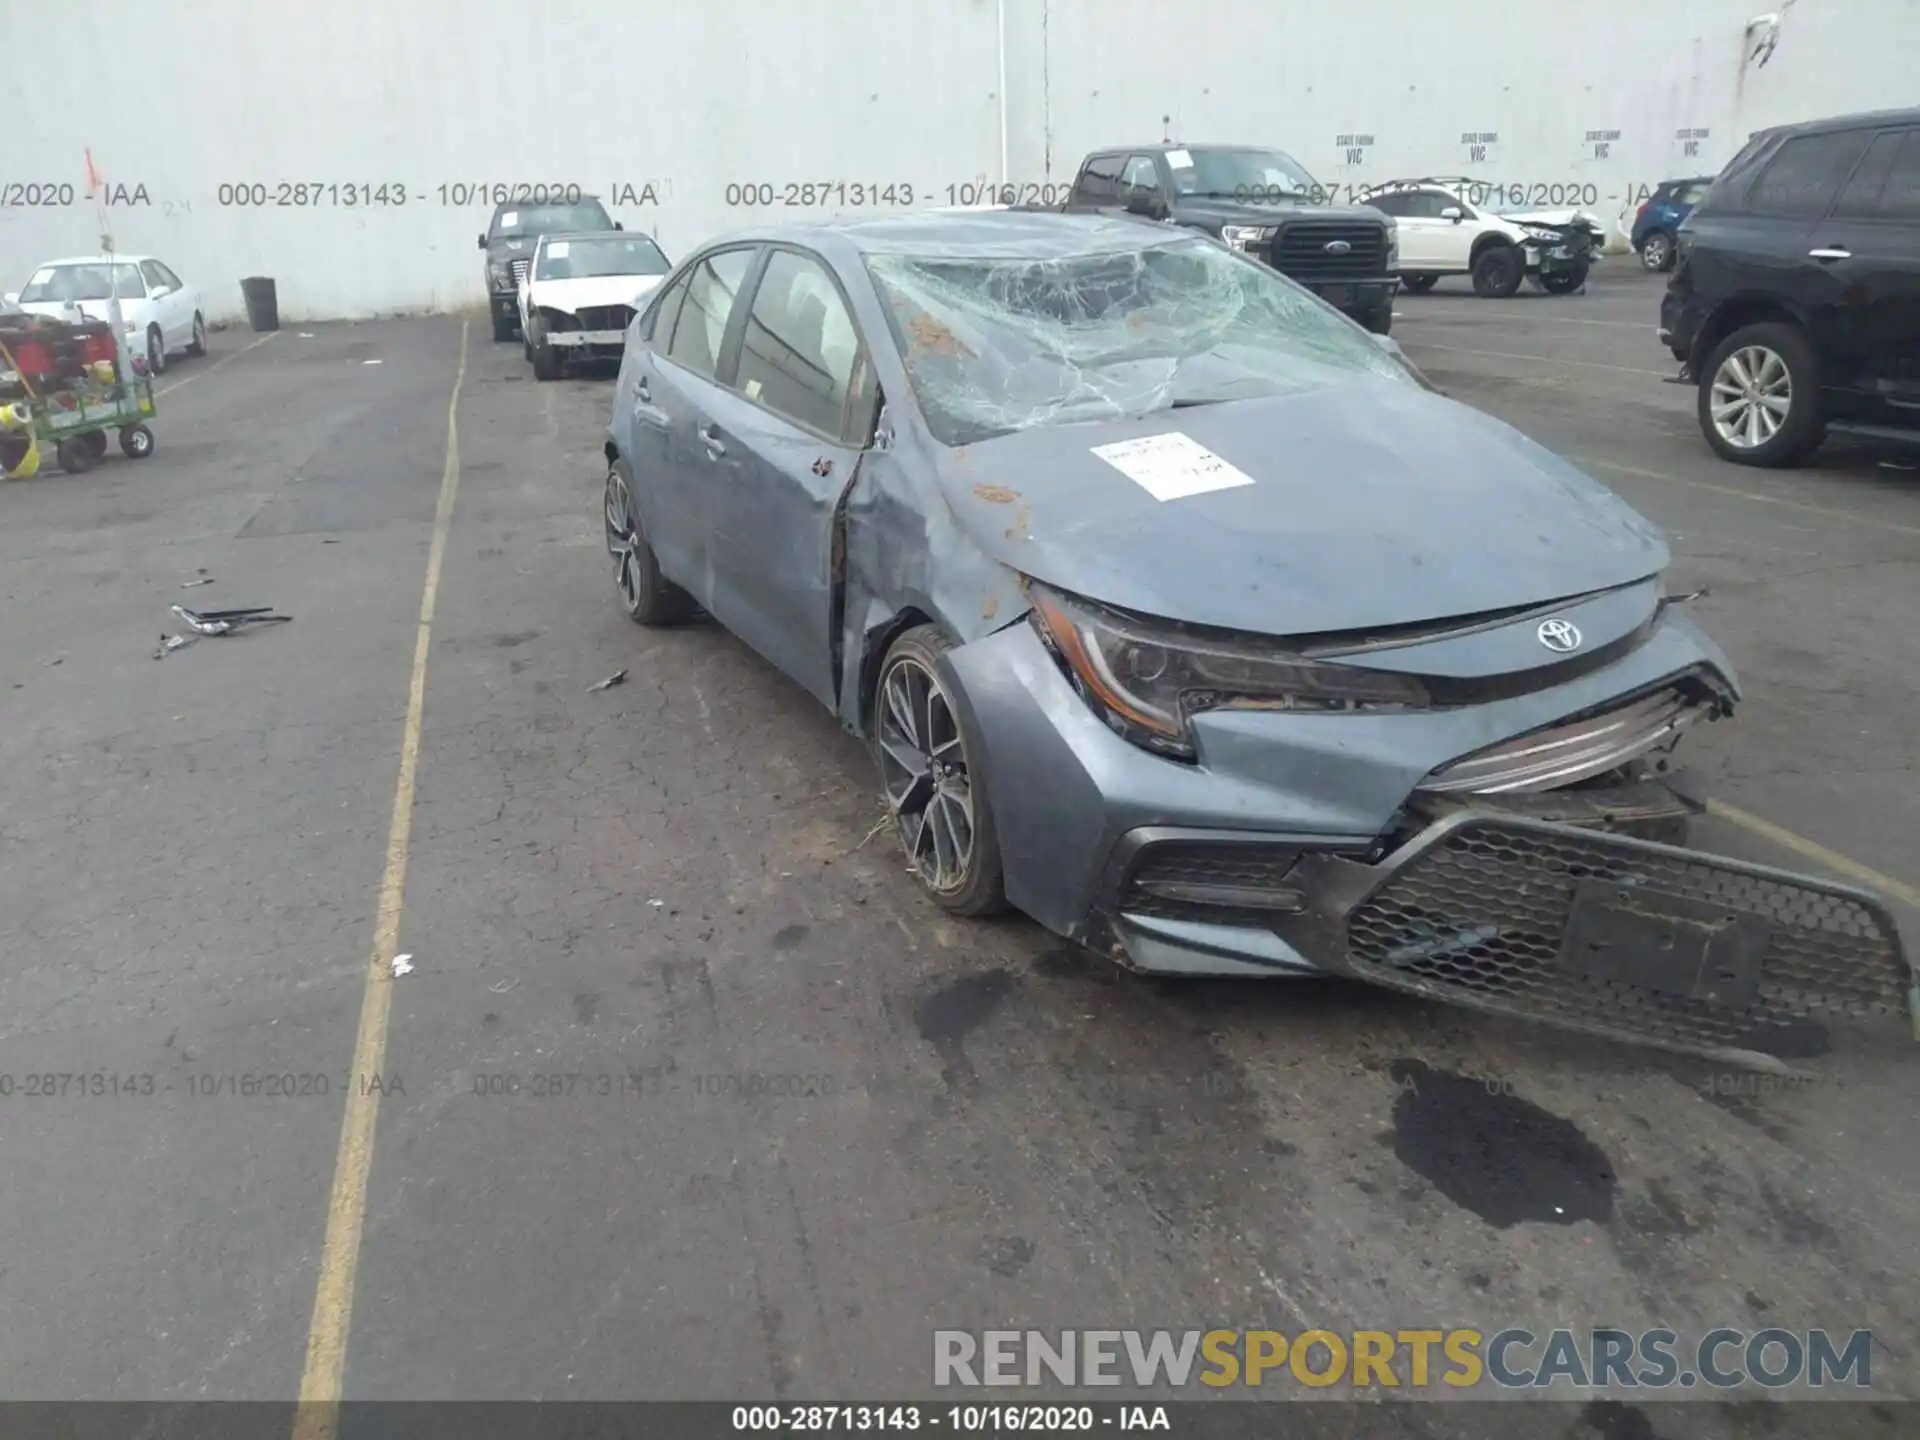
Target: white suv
x,y
1443,233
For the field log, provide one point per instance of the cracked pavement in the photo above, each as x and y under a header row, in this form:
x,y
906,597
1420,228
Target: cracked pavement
x,y
668,900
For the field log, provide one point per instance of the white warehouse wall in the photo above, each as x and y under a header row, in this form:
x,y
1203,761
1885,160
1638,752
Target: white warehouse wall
x,y
661,106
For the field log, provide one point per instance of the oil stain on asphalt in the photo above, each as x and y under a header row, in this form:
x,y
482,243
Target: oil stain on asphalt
x,y
946,1016
1496,1155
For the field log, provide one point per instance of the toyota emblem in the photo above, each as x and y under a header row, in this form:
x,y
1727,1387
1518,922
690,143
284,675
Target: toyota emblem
x,y
1559,635
1338,247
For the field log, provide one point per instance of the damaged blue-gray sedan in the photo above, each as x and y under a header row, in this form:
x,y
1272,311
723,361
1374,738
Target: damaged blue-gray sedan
x,y
1186,617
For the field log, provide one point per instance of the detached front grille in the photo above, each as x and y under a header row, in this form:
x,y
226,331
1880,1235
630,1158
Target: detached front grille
x,y
1626,938
1575,750
1301,249
606,317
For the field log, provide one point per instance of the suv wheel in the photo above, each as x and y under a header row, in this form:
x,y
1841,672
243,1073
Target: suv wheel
x,y
1656,251
1497,272
1759,396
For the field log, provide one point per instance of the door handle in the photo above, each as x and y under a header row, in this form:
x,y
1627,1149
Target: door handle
x,y
1831,252
641,390
710,437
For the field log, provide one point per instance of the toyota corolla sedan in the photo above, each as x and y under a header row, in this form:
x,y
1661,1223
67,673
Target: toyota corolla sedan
x,y
1186,617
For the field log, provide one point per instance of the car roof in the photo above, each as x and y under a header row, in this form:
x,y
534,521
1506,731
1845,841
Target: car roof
x,y
541,204
551,235
1162,146
94,260
1862,120
959,234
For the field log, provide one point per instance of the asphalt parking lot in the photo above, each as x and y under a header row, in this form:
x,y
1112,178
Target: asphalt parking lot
x,y
659,904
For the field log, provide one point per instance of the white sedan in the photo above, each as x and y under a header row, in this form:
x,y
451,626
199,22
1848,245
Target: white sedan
x,y
581,292
161,312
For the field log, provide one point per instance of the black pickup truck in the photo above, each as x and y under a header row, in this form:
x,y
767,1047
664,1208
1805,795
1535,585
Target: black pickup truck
x,y
1258,201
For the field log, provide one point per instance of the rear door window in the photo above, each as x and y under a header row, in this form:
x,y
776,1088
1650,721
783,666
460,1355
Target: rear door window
x,y
1900,196
700,328
1801,181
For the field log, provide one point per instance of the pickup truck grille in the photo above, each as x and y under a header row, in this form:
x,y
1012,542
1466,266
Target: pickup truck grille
x,y
606,317
518,269
1301,249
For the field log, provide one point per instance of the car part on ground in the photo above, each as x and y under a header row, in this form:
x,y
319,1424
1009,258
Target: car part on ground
x,y
1794,301
1039,505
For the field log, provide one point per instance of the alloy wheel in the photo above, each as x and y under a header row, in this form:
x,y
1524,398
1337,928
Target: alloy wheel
x,y
924,772
1653,254
1752,394
623,540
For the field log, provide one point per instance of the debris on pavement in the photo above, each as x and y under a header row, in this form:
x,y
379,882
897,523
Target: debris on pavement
x,y
402,965
171,643
879,825
501,988
227,622
189,584
657,904
619,677
58,660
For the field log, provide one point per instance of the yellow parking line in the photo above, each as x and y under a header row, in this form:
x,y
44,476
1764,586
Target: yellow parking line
x,y
1870,521
1813,850
320,1384
224,359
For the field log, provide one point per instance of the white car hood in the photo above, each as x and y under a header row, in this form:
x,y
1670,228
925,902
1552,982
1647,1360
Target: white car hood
x,y
572,295
1551,217
131,311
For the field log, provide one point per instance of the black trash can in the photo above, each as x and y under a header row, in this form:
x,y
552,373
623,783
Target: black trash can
x,y
263,303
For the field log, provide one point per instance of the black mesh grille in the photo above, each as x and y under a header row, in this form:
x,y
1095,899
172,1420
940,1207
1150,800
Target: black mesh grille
x,y
1301,249
1203,863
1485,915
606,317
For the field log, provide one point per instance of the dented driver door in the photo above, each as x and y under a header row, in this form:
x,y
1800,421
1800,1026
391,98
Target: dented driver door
x,y
789,422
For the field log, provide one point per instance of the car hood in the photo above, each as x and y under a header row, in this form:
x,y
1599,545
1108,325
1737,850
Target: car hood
x,y
1240,212
572,295
1372,503
1552,217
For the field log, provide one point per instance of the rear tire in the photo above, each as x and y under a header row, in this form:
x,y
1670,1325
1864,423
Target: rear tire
x,y
929,780
197,346
1418,284
156,351
1656,251
1761,375
75,455
1497,272
648,597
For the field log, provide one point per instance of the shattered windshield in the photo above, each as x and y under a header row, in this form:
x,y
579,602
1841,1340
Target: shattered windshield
x,y
995,344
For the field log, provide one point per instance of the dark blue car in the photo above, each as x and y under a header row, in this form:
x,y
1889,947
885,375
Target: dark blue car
x,y
1656,222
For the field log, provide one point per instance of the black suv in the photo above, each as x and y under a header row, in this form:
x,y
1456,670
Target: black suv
x,y
1795,304
509,243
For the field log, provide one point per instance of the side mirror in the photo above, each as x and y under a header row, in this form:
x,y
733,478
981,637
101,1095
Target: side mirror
x,y
1453,213
483,242
13,297
1147,204
618,226
160,292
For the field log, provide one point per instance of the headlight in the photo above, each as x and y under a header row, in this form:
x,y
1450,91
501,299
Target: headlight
x,y
1148,678
1393,244
497,272
1240,237
1544,237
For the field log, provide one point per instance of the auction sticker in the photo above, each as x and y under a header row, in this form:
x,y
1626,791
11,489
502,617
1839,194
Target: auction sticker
x,y
1172,466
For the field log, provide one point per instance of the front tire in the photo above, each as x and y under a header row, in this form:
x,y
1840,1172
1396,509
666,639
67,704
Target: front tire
x,y
1656,251
546,360
76,455
136,442
648,597
1418,284
1759,396
1379,320
1565,282
927,777
1497,272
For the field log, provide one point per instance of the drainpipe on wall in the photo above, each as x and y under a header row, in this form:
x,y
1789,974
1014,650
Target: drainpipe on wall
x,y
1000,8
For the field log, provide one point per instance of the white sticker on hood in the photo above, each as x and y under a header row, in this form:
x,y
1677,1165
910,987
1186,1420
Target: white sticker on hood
x,y
558,249
1179,160
510,219
1172,466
